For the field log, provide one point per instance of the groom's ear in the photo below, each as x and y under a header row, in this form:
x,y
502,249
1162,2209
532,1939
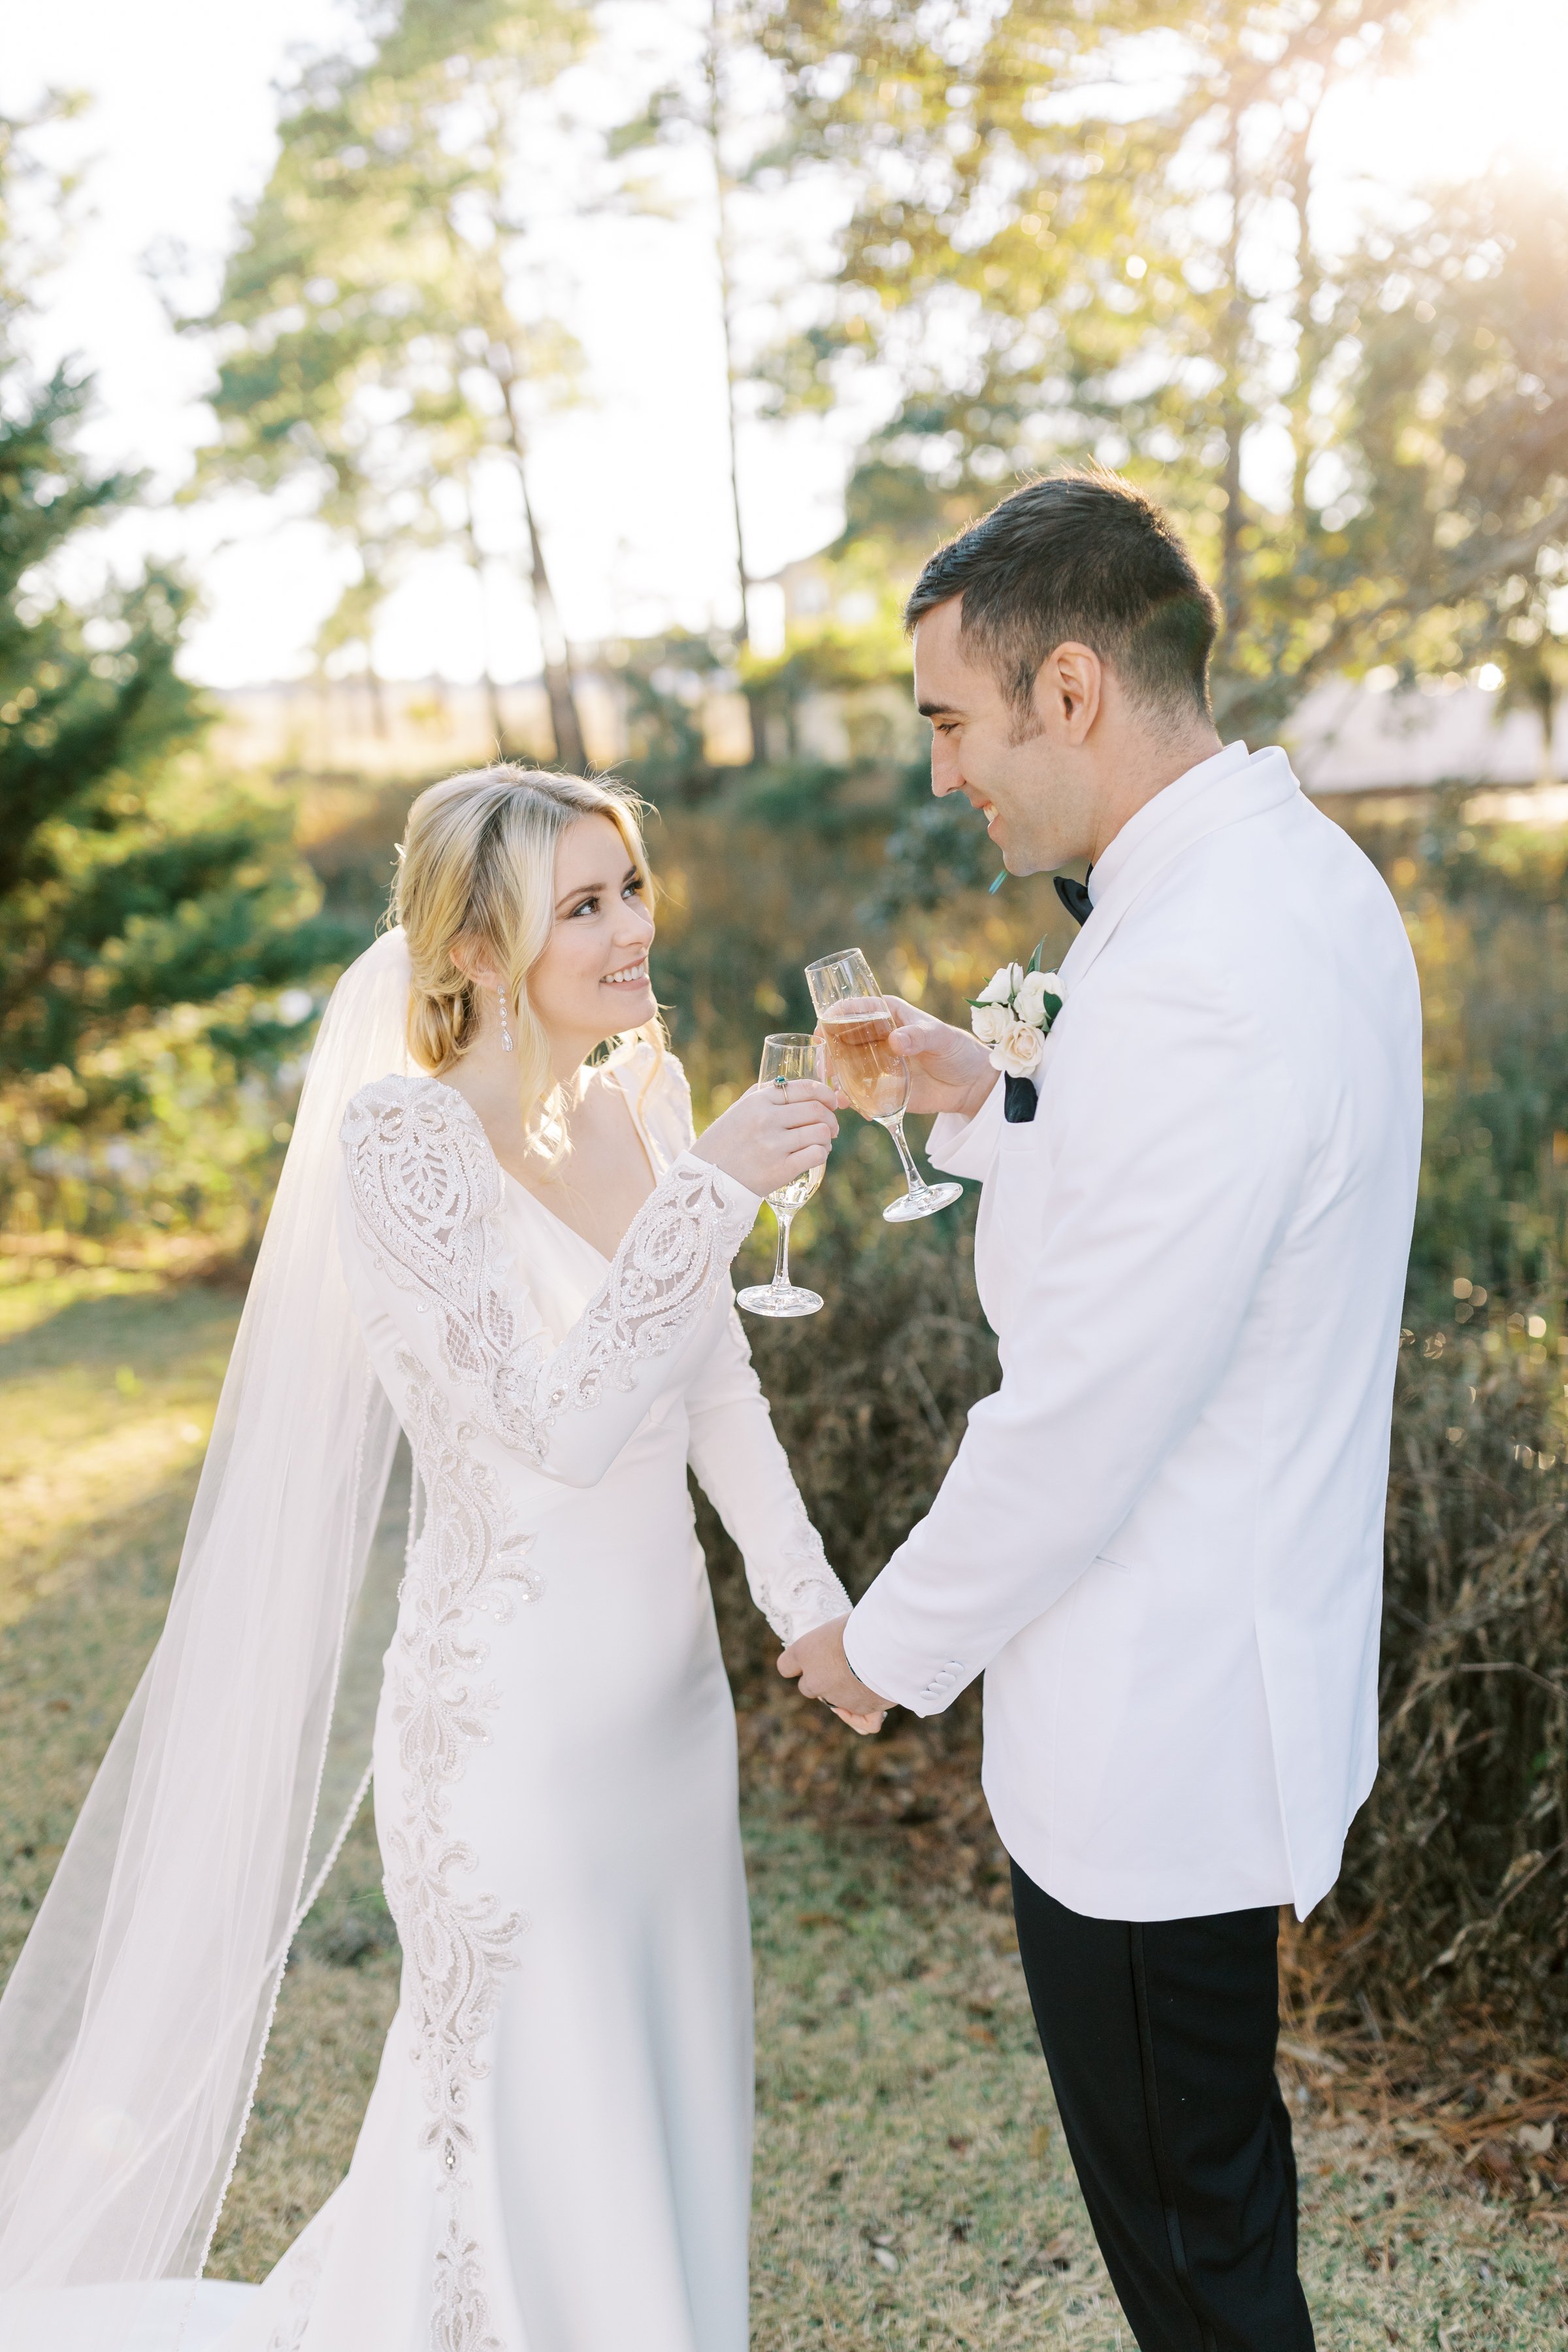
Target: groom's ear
x,y
1070,688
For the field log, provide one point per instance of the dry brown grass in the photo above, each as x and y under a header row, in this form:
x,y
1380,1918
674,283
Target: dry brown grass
x,y
337,2001
1450,1918
1458,1870
913,2188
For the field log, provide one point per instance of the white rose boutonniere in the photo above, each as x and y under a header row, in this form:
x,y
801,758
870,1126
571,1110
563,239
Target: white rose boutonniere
x,y
1002,986
1029,1003
1019,1052
1013,1014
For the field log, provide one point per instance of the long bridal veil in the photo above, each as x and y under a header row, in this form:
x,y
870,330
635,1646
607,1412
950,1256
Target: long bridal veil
x,y
132,2029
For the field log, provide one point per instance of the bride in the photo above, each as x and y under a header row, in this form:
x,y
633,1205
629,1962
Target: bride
x,y
525,1250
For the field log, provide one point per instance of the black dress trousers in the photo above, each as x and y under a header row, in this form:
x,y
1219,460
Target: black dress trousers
x,y
1160,2038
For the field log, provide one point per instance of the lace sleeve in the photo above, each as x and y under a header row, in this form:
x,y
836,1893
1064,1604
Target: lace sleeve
x,y
423,1203
745,1473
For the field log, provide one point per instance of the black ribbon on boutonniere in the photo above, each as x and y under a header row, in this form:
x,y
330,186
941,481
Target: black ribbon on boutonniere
x,y
1021,1097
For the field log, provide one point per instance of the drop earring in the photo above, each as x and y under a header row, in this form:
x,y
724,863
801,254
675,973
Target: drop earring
x,y
505,1032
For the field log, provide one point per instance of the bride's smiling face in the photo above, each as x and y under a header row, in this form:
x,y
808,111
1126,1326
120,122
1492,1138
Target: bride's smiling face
x,y
592,979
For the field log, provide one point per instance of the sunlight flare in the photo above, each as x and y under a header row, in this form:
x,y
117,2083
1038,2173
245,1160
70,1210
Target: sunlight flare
x,y
1486,86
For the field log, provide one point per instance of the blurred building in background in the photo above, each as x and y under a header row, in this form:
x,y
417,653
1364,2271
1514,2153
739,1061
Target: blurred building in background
x,y
1347,737
1369,736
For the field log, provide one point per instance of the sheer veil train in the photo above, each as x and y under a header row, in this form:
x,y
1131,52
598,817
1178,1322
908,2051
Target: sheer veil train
x,y
133,2030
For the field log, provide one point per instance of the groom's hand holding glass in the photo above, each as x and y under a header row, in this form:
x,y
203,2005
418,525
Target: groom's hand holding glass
x,y
949,1069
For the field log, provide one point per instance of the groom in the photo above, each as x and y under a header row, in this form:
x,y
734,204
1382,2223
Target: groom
x,y
1161,1539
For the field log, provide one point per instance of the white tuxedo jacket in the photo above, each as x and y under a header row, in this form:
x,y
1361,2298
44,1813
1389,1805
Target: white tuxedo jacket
x,y
1161,1539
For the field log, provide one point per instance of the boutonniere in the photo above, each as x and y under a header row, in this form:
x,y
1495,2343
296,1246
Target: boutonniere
x,y
1013,1014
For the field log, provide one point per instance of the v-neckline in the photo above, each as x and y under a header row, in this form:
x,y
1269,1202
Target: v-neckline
x,y
612,1070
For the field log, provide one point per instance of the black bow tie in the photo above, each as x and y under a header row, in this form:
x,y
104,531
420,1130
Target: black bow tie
x,y
1075,896
1021,1100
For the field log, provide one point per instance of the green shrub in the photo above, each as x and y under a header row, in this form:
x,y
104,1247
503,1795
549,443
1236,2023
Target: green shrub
x,y
1453,1896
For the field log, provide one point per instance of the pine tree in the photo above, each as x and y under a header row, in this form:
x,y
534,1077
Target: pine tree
x,y
131,882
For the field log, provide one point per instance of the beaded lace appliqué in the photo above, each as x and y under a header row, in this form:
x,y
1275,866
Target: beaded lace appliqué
x,y
464,1566
429,1200
462,2320
803,1590
428,1195
304,2267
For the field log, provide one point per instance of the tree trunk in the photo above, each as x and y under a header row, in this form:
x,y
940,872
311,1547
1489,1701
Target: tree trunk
x,y
1543,694
497,715
564,722
1308,277
1231,587
477,566
715,126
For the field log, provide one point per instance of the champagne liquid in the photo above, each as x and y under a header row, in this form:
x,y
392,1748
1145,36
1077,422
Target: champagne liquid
x,y
790,1197
863,1063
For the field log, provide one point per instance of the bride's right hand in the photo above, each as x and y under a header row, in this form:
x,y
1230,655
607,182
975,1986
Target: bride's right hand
x,y
772,1134
867,1726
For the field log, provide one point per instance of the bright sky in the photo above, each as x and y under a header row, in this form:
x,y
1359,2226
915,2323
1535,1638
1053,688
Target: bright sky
x,y
632,488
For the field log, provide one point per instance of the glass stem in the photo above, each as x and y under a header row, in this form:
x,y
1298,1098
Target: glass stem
x,y
912,1177
784,1218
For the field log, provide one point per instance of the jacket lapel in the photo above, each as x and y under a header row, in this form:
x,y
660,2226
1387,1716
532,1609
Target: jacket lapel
x,y
1264,781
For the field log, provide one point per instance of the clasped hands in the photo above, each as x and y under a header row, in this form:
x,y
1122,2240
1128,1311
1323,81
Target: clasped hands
x,y
951,1071
818,1660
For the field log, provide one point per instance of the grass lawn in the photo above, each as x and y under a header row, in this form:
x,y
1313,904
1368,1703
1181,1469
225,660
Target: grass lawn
x,y
912,2186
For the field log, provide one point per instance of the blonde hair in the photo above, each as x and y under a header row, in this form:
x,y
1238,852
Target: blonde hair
x,y
477,870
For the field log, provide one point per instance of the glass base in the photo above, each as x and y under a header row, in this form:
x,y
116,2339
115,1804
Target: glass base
x,y
923,1203
778,1298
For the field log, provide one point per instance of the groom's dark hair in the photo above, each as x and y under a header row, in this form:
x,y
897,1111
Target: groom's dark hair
x,y
1083,556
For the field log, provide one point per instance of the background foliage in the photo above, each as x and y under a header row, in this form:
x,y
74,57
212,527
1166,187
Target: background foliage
x,y
1030,272
1453,1899
150,910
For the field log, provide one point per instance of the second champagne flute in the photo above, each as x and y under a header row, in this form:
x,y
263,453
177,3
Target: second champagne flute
x,y
857,1023
784,1059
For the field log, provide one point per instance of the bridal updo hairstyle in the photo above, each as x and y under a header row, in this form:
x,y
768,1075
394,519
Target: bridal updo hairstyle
x,y
477,871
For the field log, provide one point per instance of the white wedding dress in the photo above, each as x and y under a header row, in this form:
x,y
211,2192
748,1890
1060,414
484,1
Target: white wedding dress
x,y
556,2154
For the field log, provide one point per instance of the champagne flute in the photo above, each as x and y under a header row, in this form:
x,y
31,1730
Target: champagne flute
x,y
784,1059
857,1023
